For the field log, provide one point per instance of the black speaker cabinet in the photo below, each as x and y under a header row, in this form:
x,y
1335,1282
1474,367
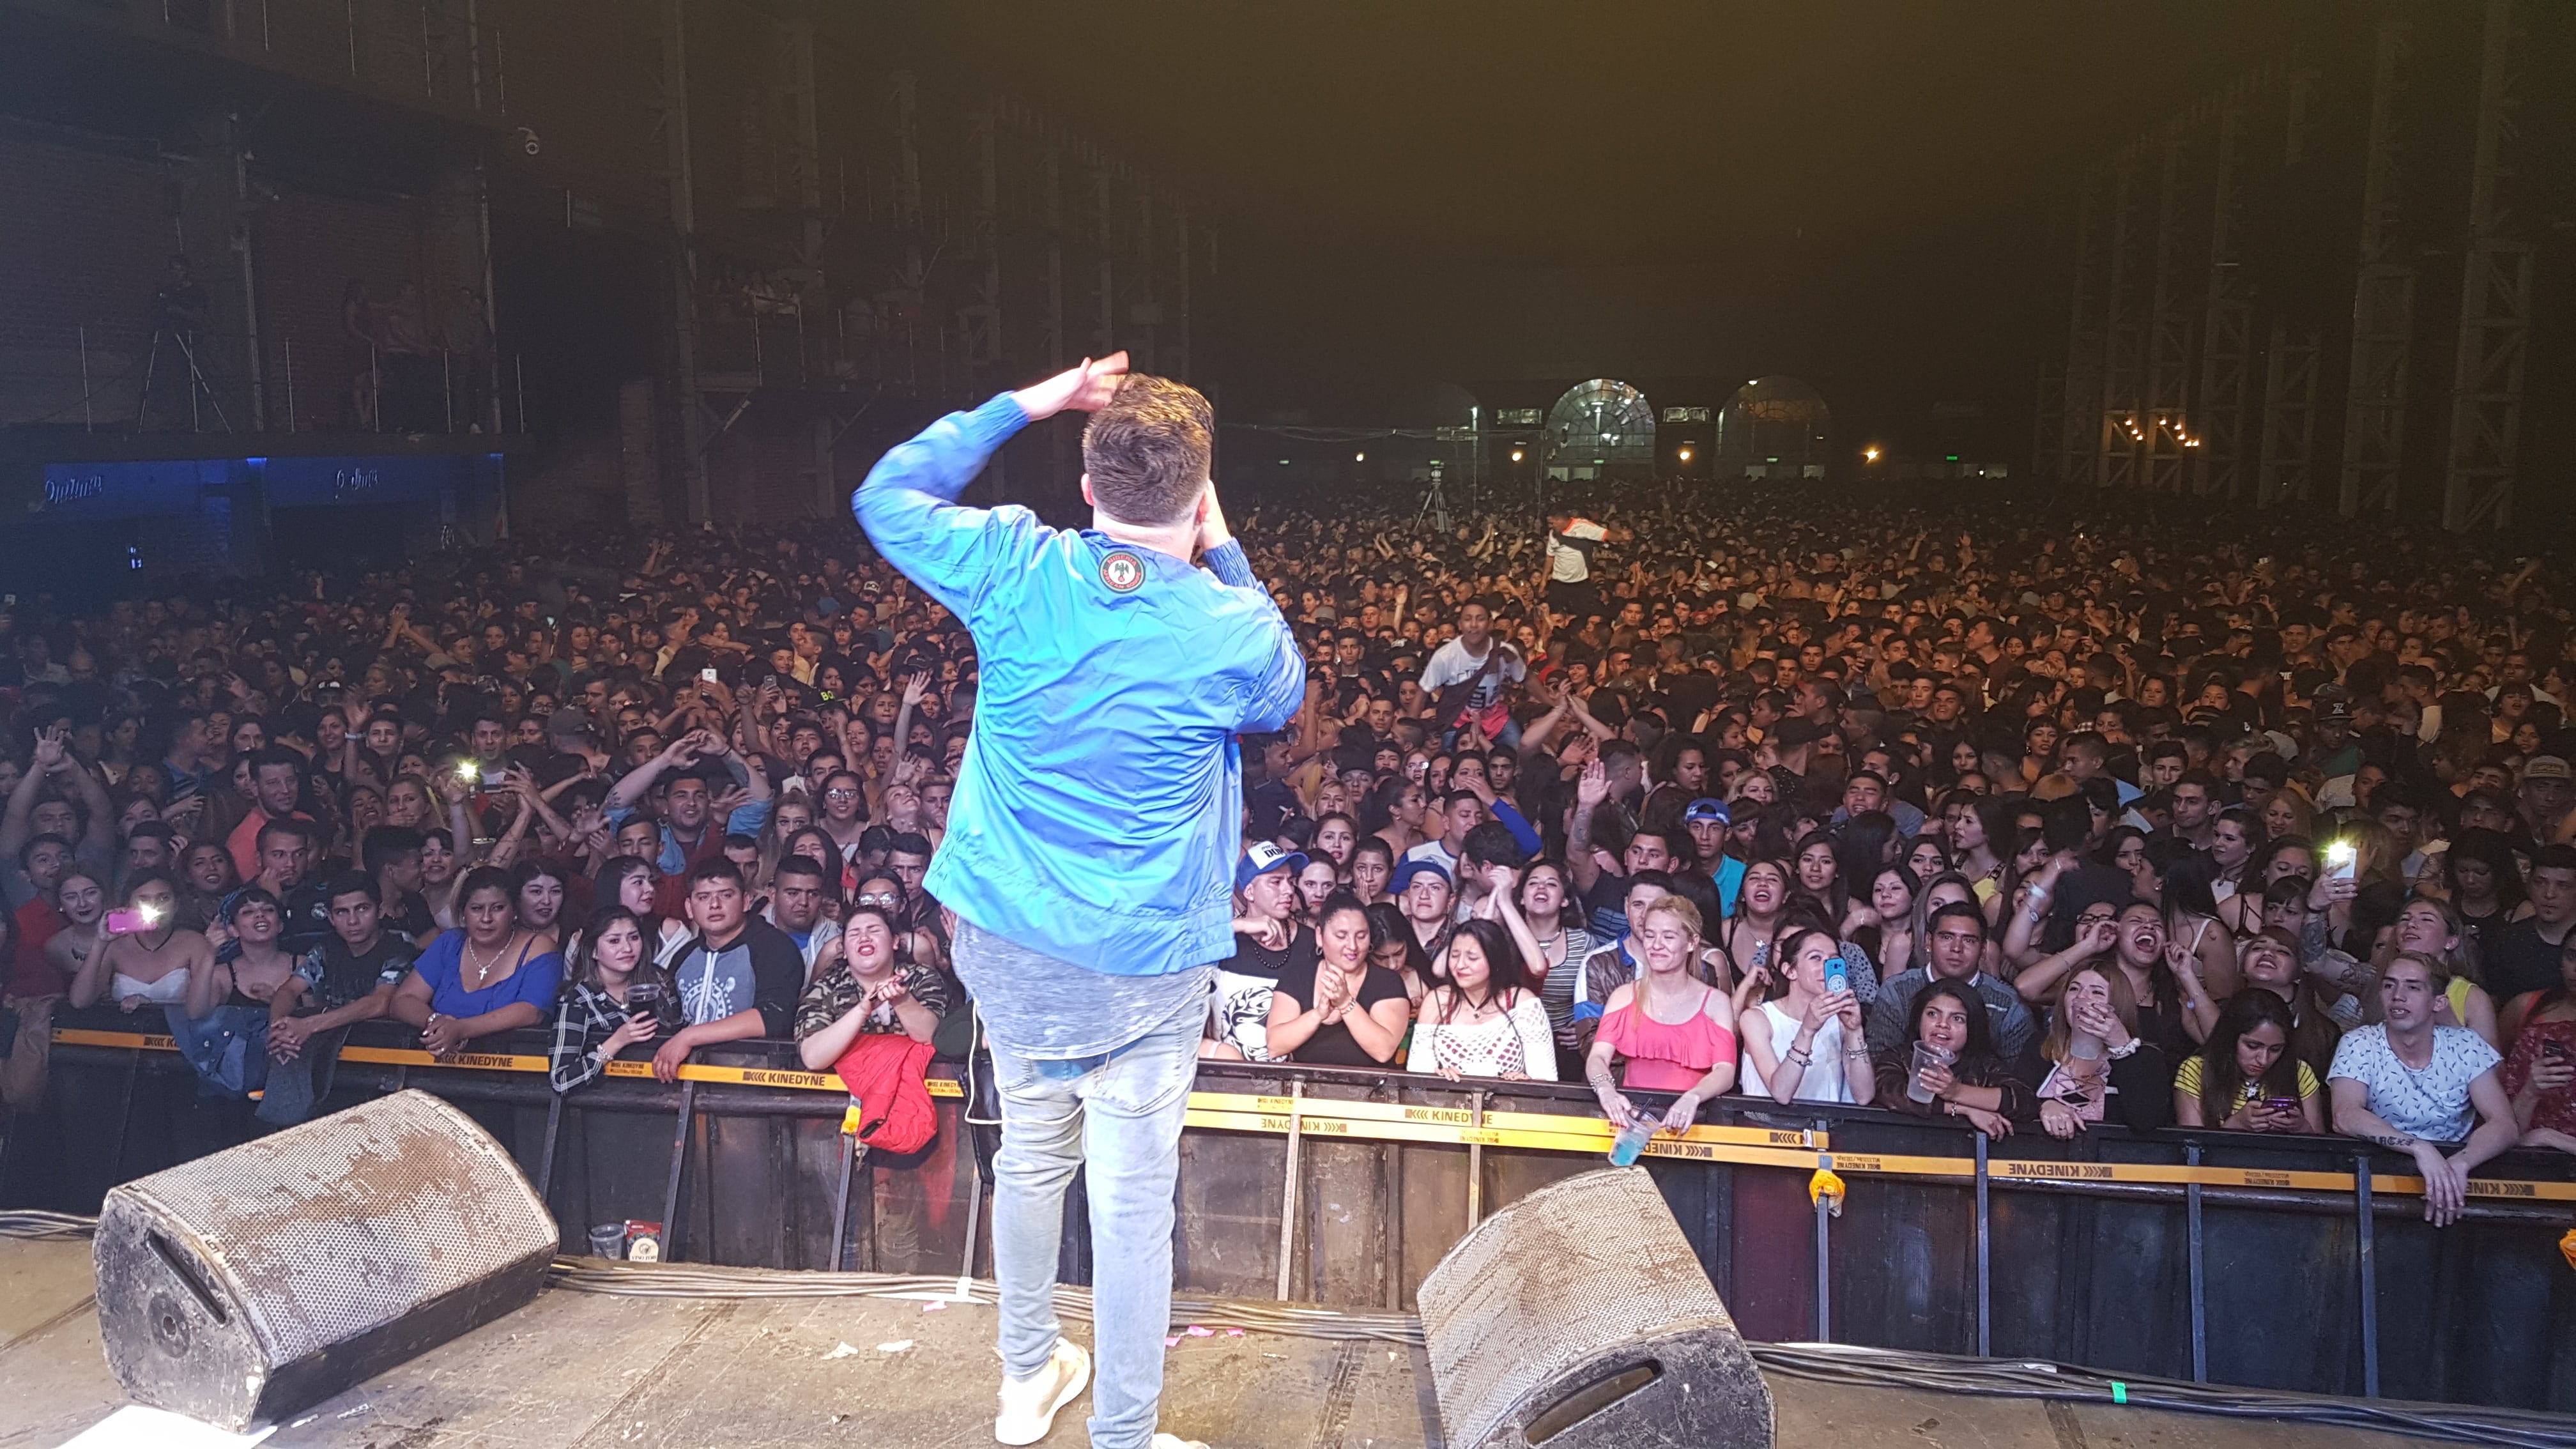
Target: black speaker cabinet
x,y
1578,1317
247,1285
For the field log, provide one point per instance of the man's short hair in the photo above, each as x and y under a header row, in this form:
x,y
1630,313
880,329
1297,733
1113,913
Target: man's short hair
x,y
352,883
910,842
27,852
390,842
1147,453
285,830
1958,911
798,865
2554,857
277,755
1492,844
2065,822
714,867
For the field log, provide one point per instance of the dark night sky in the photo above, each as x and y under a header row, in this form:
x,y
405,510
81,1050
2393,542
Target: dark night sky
x,y
1414,191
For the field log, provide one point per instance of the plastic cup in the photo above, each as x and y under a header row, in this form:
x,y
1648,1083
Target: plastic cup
x,y
1926,1055
608,1240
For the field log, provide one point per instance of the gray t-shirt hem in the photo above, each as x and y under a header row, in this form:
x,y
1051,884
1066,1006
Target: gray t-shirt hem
x,y
1046,1009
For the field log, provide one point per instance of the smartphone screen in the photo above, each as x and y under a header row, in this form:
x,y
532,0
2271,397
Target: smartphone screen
x,y
707,675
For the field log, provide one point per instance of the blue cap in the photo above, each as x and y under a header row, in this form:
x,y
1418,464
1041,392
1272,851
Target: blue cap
x,y
1264,857
1407,872
1707,807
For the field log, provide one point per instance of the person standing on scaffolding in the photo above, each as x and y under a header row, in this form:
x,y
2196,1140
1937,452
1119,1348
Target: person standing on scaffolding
x,y
1091,842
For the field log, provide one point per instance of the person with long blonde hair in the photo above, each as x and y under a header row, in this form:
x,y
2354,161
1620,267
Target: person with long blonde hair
x,y
1666,1031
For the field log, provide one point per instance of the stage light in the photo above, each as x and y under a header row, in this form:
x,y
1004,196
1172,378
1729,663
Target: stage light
x,y
1359,457
1516,455
1869,454
1686,455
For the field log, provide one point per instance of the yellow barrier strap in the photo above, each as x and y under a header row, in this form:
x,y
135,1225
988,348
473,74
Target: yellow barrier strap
x,y
510,1062
1586,1127
1329,1117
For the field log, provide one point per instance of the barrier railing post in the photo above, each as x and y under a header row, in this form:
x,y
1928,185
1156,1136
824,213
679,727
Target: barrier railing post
x,y
2369,1279
1824,1259
546,1154
1476,1165
2199,1280
974,1221
679,1166
1985,1264
841,1203
124,1118
1288,1194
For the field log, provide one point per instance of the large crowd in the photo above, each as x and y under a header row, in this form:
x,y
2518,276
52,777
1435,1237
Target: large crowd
x,y
2034,818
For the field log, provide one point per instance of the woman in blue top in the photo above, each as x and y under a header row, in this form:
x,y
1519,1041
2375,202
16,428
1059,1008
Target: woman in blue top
x,y
489,975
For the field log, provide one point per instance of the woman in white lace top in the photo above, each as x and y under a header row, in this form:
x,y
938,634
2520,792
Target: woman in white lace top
x,y
1485,1021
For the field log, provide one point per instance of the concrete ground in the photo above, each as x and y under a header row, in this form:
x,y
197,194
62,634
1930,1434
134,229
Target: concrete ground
x,y
577,1369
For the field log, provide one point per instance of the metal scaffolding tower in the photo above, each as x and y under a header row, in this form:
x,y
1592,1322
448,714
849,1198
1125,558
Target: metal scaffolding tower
x,y
2285,469
2383,305
2123,337
2168,387
2227,325
2495,312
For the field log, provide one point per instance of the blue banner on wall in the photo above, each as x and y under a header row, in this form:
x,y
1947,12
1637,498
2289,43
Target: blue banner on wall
x,y
88,492
324,482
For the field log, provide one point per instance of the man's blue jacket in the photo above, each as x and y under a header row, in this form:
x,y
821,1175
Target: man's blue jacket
x,y
1099,809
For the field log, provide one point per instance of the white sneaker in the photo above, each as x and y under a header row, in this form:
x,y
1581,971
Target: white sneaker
x,y
1029,1404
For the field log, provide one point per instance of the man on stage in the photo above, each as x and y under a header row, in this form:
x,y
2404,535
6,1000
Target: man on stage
x,y
1091,841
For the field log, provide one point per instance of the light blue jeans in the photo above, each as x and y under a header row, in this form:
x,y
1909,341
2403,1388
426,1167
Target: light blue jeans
x,y
1121,1114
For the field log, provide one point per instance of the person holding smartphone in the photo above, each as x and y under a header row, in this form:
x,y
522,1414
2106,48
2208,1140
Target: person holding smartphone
x,y
2246,1078
616,1001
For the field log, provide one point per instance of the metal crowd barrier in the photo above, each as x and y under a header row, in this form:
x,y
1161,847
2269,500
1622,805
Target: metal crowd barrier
x,y
2292,1263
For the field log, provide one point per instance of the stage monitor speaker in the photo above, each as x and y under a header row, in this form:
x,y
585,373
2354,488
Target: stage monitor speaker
x,y
1579,1318
244,1286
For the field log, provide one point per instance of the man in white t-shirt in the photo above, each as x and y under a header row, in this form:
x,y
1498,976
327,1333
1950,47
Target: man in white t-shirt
x,y
1570,541
2409,1086
1470,677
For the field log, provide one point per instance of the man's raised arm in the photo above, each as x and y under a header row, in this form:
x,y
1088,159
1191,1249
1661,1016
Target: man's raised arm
x,y
908,505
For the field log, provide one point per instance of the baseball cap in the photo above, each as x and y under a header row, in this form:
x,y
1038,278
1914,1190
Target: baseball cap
x,y
1707,807
570,721
1264,857
1406,874
2337,710
2546,767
